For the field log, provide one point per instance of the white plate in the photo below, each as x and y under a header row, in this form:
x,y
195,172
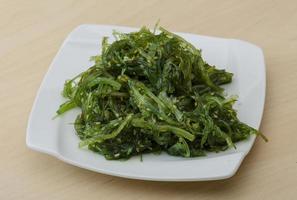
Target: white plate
x,y
57,137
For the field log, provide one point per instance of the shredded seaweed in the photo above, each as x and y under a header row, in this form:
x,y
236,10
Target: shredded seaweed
x,y
153,92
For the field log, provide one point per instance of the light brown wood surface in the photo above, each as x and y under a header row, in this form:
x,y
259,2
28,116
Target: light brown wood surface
x,y
31,32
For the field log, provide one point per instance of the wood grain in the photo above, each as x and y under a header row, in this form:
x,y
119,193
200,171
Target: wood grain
x,y
30,35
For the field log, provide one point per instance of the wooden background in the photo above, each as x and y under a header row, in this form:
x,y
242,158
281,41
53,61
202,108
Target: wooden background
x,y
31,32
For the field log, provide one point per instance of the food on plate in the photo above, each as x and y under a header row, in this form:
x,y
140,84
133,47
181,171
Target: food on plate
x,y
151,91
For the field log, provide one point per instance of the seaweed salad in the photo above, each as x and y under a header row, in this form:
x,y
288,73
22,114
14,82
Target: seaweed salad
x,y
151,91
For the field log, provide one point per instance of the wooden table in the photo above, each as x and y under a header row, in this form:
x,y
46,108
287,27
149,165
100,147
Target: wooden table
x,y
31,33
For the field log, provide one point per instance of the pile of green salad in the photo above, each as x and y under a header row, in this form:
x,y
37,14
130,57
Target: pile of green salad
x,y
153,92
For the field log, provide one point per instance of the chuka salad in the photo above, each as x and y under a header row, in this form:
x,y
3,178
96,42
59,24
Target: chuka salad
x,y
151,91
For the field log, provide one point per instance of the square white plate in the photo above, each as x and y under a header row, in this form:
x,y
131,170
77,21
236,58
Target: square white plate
x,y
57,137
